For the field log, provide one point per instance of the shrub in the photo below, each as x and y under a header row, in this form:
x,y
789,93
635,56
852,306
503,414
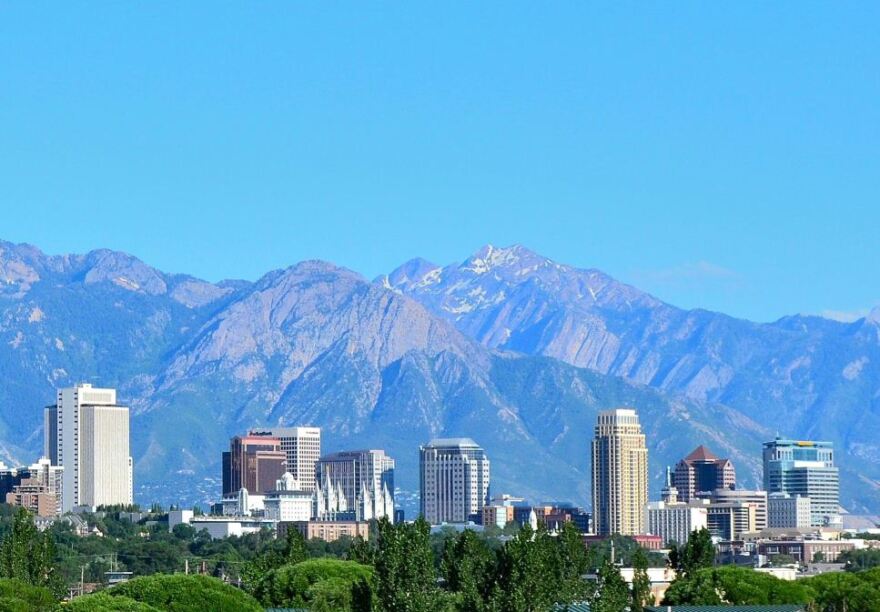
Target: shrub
x,y
16,595
183,593
104,602
317,584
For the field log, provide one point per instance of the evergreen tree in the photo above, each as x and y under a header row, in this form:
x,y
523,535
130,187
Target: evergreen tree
x,y
527,573
698,553
295,549
405,578
468,567
641,586
27,555
612,594
362,596
573,564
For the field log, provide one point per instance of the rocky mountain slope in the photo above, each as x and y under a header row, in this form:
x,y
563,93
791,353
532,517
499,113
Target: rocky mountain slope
x,y
388,364
799,376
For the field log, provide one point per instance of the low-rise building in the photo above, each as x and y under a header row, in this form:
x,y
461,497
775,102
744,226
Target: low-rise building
x,y
757,498
784,510
329,531
37,488
660,577
805,551
288,501
674,522
498,516
728,521
219,527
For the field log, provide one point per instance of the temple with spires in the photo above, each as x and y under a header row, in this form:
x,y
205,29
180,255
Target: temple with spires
x,y
354,485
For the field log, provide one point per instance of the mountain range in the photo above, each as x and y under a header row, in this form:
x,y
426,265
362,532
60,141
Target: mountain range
x,y
508,347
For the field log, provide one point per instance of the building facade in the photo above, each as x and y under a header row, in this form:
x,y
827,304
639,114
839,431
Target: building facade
x,y
787,511
87,434
756,498
39,489
730,520
288,501
366,478
303,448
806,468
620,473
254,462
702,471
674,522
329,531
454,480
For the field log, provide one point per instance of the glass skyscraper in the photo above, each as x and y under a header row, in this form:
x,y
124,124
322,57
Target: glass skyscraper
x,y
806,468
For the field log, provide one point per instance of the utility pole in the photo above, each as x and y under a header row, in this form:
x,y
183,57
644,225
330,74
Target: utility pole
x,y
82,580
186,565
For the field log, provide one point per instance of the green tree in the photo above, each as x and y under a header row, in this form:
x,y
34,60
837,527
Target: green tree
x,y
845,591
28,555
573,564
18,595
183,593
362,551
698,553
737,586
527,573
858,560
104,602
641,585
295,549
468,566
612,594
783,560
315,584
697,589
362,596
405,578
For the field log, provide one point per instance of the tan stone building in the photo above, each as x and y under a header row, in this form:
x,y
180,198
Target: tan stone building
x,y
329,531
620,473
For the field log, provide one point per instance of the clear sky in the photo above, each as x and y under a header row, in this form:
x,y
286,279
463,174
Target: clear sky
x,y
723,155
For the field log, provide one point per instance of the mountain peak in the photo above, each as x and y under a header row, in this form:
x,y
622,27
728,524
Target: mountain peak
x,y
490,257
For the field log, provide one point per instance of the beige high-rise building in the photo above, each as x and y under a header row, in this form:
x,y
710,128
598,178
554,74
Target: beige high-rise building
x,y
87,433
303,448
453,480
620,473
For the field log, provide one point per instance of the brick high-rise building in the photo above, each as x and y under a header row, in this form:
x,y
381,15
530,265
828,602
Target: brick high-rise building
x,y
702,472
253,462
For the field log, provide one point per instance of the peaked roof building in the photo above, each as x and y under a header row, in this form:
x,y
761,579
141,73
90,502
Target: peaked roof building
x,y
702,471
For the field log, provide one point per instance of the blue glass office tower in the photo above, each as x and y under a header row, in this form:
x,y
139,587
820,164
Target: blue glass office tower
x,y
799,467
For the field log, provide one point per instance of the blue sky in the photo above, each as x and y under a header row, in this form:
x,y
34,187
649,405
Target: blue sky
x,y
716,155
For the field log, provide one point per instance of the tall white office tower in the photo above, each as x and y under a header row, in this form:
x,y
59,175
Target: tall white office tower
x,y
303,448
87,433
454,479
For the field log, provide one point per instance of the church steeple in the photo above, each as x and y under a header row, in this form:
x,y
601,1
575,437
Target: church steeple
x,y
669,493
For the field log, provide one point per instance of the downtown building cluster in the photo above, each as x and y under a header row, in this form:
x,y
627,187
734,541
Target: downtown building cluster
x,y
796,511
278,478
